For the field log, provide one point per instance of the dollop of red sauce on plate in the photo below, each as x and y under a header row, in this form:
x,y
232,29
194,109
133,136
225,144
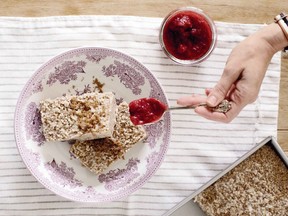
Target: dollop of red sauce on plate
x,y
146,110
187,35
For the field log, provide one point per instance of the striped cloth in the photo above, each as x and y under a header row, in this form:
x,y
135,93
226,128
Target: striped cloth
x,y
199,148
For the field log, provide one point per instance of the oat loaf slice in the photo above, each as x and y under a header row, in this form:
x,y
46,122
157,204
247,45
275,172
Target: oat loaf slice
x,y
85,117
97,155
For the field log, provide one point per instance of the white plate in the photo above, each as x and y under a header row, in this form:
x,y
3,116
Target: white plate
x,y
73,72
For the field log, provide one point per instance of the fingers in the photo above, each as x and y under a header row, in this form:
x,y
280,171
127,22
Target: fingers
x,y
191,100
207,91
208,113
236,107
222,88
220,117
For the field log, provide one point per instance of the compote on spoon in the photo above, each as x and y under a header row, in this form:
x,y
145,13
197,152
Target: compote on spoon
x,y
150,110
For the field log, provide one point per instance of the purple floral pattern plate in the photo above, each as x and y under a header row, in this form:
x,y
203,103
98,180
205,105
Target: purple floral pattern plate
x,y
80,71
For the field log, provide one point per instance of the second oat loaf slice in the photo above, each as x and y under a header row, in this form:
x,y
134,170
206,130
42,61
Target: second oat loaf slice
x,y
97,155
84,117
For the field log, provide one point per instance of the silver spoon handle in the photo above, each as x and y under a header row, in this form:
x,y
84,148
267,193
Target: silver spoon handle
x,y
186,107
223,107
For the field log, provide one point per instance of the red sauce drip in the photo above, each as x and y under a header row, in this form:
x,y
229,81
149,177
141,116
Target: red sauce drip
x,y
146,110
187,35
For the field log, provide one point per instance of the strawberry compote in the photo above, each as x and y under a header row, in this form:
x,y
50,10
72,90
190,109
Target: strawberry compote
x,y
188,35
146,110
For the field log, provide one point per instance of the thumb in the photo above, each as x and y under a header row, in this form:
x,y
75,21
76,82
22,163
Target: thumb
x,y
221,89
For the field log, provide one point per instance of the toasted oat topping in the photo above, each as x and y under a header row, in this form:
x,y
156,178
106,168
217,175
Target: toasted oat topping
x,y
98,154
257,186
88,116
125,132
98,85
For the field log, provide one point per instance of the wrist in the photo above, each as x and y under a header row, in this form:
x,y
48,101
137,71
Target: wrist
x,y
267,41
274,36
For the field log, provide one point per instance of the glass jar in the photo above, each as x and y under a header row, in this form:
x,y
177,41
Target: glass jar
x,y
188,35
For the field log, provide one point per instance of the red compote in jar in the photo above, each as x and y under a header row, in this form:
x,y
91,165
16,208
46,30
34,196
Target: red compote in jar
x,y
188,35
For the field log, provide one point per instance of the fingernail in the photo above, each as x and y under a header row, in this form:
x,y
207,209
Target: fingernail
x,y
212,100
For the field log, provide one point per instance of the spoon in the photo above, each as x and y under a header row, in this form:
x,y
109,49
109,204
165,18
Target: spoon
x,y
223,107
150,110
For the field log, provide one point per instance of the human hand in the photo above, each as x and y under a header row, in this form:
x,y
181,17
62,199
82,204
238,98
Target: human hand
x,y
242,76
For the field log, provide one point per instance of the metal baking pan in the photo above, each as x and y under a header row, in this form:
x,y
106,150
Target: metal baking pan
x,y
188,207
